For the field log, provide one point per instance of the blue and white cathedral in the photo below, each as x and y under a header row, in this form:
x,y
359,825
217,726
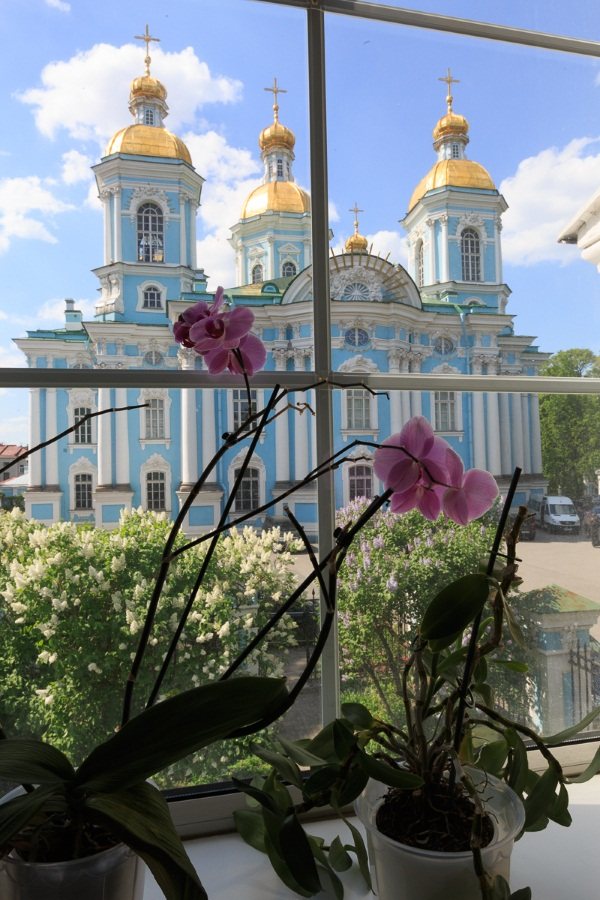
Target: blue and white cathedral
x,y
445,314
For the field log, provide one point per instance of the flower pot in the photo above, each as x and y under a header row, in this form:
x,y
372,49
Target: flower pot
x,y
114,874
398,870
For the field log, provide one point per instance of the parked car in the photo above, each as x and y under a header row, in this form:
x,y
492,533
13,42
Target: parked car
x,y
558,514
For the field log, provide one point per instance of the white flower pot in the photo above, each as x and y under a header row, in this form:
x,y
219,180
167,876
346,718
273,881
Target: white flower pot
x,y
114,874
398,870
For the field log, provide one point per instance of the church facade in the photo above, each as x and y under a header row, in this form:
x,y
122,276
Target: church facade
x,y
444,313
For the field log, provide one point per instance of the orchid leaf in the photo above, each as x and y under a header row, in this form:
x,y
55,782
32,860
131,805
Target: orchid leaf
x,y
250,826
519,765
15,814
287,769
33,762
493,756
165,733
573,730
362,856
541,799
297,751
339,857
297,852
454,607
390,775
140,817
358,715
348,788
592,769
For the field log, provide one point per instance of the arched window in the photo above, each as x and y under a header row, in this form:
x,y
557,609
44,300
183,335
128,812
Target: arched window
x,y
155,420
360,481
288,269
83,491
257,273
445,411
358,407
156,494
83,432
148,117
419,264
152,298
150,233
248,494
470,253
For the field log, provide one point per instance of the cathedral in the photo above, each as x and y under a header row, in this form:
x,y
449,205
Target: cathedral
x,y
445,313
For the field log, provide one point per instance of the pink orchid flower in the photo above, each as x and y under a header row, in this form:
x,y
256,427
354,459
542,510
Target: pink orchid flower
x,y
413,457
220,329
470,493
192,315
251,350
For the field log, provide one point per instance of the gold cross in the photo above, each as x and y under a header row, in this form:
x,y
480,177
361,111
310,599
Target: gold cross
x,y
356,211
275,90
449,81
147,37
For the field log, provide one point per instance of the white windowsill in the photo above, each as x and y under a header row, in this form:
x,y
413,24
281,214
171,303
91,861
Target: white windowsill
x,y
557,863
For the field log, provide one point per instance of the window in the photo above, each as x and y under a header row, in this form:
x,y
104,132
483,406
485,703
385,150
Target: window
x,y
240,406
455,151
248,495
288,269
445,411
419,265
148,117
83,491
356,337
280,168
257,273
358,406
155,420
360,481
153,358
152,298
156,491
470,255
150,233
83,432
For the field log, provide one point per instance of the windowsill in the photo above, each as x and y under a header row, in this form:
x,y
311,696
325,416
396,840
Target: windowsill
x,y
555,863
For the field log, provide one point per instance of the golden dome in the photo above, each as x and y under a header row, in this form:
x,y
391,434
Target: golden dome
x,y
276,135
147,140
276,196
453,173
356,243
147,86
451,124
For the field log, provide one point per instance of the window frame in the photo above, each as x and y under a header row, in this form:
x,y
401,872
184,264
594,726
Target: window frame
x,y
150,233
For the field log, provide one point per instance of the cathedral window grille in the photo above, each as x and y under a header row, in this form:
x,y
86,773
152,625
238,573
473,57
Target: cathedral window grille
x,y
455,151
153,358
152,298
470,253
257,273
360,481
150,233
420,266
83,491
248,495
445,411
241,411
358,407
155,420
148,117
280,168
83,432
288,269
156,492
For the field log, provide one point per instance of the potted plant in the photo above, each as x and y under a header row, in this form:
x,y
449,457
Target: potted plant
x,y
78,831
444,791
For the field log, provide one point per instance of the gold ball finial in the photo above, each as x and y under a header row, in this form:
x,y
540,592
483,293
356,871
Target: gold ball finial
x,y
356,242
449,81
276,135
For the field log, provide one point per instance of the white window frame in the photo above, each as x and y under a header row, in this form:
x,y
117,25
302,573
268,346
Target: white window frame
x,y
81,466
256,463
150,284
148,395
82,398
471,262
455,401
156,463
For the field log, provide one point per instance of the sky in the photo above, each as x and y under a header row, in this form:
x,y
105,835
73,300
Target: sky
x,y
65,71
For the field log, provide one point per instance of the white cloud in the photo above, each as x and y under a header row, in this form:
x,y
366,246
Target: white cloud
x,y
21,200
14,429
87,95
60,5
545,192
76,167
217,161
53,311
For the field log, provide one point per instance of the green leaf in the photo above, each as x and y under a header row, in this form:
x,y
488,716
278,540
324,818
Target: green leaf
x,y
318,785
33,762
347,788
541,799
15,814
288,770
140,817
250,826
263,797
358,715
297,751
344,740
512,665
282,869
297,853
390,775
362,856
171,730
573,730
493,756
323,744
513,626
485,692
559,812
454,607
522,894
450,663
592,769
519,765
339,858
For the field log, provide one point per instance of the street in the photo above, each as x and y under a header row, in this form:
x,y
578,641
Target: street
x,y
568,560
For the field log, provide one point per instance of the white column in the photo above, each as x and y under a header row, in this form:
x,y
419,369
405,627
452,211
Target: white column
x,y
301,443
526,433
104,439
498,250
118,250
106,200
444,273
494,463
282,444
209,435
183,207
271,244
536,436
416,406
189,437
35,437
395,397
122,438
404,397
479,454
505,454
192,214
516,429
51,431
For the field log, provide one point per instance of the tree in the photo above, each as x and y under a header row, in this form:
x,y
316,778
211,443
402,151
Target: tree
x,y
570,426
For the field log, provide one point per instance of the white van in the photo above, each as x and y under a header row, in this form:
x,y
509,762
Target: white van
x,y
558,514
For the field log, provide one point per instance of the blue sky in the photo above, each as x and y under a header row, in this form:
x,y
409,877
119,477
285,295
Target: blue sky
x,y
65,71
